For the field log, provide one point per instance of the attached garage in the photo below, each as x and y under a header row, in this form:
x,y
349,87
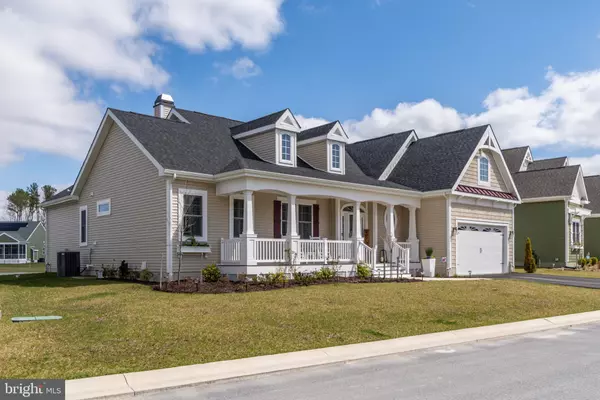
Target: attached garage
x,y
481,249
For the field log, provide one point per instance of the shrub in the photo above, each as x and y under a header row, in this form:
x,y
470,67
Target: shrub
x,y
304,278
211,273
124,270
529,263
429,252
594,260
582,262
363,271
109,272
325,273
275,278
134,275
146,275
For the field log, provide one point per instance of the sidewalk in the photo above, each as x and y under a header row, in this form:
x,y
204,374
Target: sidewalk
x,y
129,384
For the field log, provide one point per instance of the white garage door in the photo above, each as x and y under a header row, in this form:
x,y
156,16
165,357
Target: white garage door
x,y
480,249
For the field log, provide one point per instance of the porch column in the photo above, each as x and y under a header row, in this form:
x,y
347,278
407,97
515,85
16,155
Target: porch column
x,y
292,227
390,234
338,220
375,228
356,231
248,236
412,234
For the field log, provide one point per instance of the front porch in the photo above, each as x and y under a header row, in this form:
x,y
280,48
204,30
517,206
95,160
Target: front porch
x,y
271,230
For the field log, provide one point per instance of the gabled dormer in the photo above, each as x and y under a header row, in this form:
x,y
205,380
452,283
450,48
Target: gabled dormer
x,y
272,137
324,147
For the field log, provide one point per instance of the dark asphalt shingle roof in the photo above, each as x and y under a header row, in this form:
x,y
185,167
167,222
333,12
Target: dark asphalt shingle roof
x,y
374,155
592,186
316,131
436,162
552,182
205,145
62,193
257,123
547,163
514,158
20,230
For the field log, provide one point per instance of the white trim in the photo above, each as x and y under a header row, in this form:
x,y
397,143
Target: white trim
x,y
581,182
390,167
195,192
99,138
566,231
4,233
197,176
103,213
279,124
593,216
579,223
61,200
231,199
178,115
449,234
436,193
330,168
254,131
505,225
527,157
307,202
330,135
280,159
482,156
169,266
35,229
87,226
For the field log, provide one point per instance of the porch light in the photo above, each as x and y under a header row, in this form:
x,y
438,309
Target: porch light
x,y
454,230
510,234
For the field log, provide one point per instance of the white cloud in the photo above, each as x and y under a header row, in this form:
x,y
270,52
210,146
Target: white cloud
x,y
308,122
565,114
242,68
53,52
591,165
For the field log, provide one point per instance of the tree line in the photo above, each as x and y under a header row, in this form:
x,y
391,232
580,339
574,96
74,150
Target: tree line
x,y
24,204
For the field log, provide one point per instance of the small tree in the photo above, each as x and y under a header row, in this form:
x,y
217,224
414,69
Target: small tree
x,y
529,263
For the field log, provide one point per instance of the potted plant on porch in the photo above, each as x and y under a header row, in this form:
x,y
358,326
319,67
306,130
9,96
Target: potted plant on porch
x,y
428,263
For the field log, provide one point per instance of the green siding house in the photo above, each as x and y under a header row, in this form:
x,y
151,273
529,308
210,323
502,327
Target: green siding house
x,y
592,222
553,210
22,242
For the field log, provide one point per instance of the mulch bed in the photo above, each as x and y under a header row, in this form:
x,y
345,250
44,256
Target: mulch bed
x,y
191,285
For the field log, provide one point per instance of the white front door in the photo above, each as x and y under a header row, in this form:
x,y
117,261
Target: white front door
x,y
347,225
480,250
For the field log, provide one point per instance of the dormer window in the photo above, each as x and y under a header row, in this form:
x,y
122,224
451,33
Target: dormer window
x,y
286,147
335,156
484,170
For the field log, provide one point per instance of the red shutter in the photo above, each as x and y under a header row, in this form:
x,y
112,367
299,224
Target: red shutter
x,y
277,219
315,216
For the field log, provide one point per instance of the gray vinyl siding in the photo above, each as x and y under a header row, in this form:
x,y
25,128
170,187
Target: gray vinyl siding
x,y
315,154
135,230
263,145
62,223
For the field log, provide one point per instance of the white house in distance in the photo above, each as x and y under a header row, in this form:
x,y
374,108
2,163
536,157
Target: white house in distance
x,y
242,193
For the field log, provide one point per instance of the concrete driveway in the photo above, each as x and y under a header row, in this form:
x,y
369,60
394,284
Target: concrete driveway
x,y
593,283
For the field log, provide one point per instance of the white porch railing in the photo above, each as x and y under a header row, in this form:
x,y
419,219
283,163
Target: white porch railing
x,y
231,250
401,255
367,254
270,250
340,250
312,250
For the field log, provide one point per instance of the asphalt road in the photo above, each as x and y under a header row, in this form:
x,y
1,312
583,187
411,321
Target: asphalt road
x,y
593,283
552,365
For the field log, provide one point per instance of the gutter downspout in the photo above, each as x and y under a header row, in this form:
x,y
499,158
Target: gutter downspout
x,y
169,221
448,198
566,231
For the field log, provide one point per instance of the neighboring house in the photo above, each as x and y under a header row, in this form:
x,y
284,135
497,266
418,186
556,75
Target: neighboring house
x,y
591,235
22,241
248,191
554,199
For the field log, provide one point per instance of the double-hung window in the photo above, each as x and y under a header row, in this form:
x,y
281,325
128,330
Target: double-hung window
x,y
304,221
102,207
335,156
576,232
484,173
193,211
238,217
286,147
83,225
284,219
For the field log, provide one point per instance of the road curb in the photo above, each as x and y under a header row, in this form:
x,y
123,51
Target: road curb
x,y
130,384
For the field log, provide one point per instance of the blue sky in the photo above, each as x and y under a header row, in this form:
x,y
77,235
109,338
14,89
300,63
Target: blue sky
x,y
326,60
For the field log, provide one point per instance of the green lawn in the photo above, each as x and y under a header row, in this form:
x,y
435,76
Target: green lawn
x,y
33,267
112,327
546,271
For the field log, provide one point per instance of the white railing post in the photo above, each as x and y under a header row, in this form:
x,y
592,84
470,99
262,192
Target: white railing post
x,y
248,237
325,250
412,233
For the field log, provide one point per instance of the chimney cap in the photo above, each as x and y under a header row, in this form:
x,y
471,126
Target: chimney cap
x,y
164,99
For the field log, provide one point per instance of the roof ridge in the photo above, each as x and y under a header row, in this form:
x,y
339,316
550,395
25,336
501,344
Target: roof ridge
x,y
515,148
381,137
547,169
456,131
552,158
263,116
210,115
592,176
320,126
146,115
